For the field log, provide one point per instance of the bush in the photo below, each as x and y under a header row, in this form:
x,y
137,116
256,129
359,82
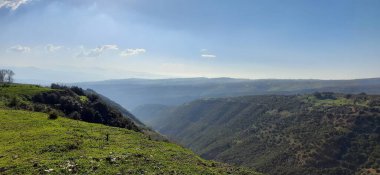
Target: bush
x,y
40,108
75,115
317,95
53,116
55,86
77,90
15,102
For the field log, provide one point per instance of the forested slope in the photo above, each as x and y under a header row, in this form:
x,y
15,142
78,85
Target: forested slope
x,y
324,133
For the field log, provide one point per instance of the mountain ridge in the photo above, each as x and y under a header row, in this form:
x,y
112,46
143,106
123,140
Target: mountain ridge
x,y
131,93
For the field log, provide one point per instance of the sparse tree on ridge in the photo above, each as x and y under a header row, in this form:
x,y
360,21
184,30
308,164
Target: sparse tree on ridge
x,y
2,75
10,76
6,76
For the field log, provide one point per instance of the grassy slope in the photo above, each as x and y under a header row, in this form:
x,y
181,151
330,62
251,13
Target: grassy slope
x,y
32,144
22,89
19,91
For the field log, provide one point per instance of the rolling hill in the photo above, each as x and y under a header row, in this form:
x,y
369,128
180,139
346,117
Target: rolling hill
x,y
44,131
323,133
134,94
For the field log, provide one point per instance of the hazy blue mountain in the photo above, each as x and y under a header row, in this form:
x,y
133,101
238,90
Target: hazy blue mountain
x,y
150,113
132,93
46,76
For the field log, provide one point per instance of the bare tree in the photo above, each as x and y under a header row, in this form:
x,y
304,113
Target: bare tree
x,y
2,75
10,75
6,76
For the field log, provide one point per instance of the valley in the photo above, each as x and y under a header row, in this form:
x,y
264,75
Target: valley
x,y
321,133
274,126
189,87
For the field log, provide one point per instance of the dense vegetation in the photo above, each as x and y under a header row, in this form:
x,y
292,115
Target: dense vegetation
x,y
36,138
323,133
146,130
116,106
72,102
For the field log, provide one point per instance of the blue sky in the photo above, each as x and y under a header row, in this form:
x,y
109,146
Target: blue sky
x,y
107,39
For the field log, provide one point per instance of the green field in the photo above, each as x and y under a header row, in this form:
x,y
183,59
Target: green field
x,y
32,144
21,89
19,93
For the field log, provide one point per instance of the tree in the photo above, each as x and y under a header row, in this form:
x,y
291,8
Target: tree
x,y
2,75
318,95
6,76
10,75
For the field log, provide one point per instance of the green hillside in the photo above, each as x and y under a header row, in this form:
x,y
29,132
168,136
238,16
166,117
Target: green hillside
x,y
71,102
31,143
324,133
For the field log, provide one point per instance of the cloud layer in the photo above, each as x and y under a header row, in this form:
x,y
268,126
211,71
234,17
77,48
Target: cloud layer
x,y
131,52
52,48
12,4
205,54
98,51
208,56
19,49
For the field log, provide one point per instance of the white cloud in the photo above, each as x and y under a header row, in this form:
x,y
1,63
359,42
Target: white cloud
x,y
12,4
205,54
131,52
19,49
52,48
208,56
98,51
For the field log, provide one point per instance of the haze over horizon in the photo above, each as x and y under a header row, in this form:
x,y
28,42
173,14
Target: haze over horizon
x,y
73,41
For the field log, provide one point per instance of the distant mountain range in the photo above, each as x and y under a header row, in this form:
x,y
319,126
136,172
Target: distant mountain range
x,y
46,76
132,93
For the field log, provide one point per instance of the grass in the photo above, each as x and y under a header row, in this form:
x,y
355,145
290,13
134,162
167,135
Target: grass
x,y
83,99
20,93
334,102
339,101
32,144
21,89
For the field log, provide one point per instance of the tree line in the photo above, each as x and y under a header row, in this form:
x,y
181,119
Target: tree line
x,y
6,76
76,104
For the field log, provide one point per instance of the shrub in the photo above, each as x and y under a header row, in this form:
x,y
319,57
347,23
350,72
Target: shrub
x,y
15,102
53,116
77,90
317,95
55,86
75,115
40,108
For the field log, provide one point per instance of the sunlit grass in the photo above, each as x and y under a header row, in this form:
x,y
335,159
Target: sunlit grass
x,y
32,144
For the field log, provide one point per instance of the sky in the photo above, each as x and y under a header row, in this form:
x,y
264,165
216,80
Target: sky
x,y
71,40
